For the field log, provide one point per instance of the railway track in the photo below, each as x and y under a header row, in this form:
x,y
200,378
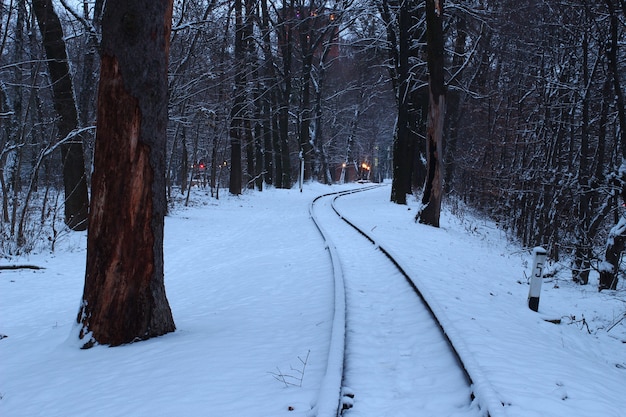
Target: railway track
x,y
390,354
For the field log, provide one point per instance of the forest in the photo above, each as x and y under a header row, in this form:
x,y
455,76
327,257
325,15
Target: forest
x,y
265,93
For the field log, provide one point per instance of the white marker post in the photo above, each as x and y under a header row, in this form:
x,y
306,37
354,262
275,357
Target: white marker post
x,y
301,179
539,257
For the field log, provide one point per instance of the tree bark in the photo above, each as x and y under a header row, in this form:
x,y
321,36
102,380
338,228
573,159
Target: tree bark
x,y
408,148
453,111
271,146
433,188
320,167
609,268
617,237
124,296
285,44
582,251
306,34
403,148
236,113
250,67
74,181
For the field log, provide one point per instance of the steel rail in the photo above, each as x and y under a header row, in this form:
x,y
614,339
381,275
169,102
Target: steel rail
x,y
330,397
482,391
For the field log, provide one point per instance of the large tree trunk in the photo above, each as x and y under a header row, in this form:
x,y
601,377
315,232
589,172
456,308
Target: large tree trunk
x,y
403,146
617,237
74,181
124,296
408,169
433,188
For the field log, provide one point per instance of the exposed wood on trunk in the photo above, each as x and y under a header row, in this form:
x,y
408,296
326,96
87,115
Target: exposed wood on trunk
x,y
124,297
433,188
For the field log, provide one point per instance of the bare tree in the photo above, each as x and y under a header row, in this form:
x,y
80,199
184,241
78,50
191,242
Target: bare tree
x,y
124,296
405,33
76,195
433,187
237,129
609,271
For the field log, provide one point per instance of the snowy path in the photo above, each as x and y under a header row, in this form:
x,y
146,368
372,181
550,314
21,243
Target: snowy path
x,y
397,361
250,287
249,296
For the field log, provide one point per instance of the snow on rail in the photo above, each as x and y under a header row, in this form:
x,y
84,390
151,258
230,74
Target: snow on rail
x,y
330,396
330,389
484,393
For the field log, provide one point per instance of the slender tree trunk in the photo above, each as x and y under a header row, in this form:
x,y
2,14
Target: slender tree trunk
x,y
271,147
259,141
285,38
433,188
236,113
5,195
268,150
283,137
14,124
305,98
392,43
184,165
345,167
124,296
89,76
86,96
321,168
214,163
582,251
194,168
74,180
251,67
250,152
454,106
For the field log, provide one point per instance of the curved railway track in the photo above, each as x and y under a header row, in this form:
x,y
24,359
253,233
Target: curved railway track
x,y
401,334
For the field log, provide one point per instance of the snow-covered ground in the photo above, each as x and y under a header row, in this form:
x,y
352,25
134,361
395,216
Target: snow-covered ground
x,y
249,286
